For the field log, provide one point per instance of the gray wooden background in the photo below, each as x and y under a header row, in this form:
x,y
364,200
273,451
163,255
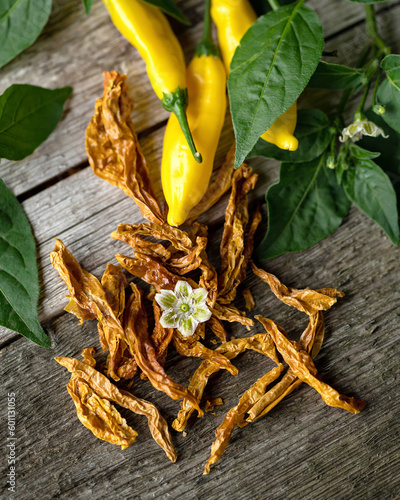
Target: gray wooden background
x,y
302,449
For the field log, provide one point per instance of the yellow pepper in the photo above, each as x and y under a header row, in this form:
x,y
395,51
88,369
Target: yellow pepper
x,y
147,29
184,182
233,18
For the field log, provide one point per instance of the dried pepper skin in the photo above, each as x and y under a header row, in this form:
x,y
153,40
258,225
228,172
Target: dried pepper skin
x,y
89,300
261,343
303,367
135,324
308,301
212,403
113,149
104,389
249,299
224,432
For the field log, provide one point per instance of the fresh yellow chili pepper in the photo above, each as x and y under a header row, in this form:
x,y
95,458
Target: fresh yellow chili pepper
x,y
233,18
184,182
147,29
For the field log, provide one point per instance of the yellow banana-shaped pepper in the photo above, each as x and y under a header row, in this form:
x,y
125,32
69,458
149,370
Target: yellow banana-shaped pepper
x,y
185,182
233,18
147,29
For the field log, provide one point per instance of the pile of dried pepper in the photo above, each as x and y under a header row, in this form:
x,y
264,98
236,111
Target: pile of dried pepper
x,y
164,256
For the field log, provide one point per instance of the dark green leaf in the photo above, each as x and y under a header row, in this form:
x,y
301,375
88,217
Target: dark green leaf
x,y
370,189
389,148
389,96
262,6
303,208
169,8
28,115
336,76
312,132
21,22
391,64
362,154
19,285
88,5
270,68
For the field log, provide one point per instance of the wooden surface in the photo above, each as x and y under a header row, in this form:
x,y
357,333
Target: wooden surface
x,y
302,449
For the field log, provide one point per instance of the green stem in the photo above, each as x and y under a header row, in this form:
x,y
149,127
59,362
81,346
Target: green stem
x,y
377,82
207,46
360,110
372,29
274,4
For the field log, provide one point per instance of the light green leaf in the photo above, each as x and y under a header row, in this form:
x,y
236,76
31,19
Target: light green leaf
x,y
391,64
336,76
389,96
21,22
270,68
362,154
370,189
19,283
28,115
304,207
169,8
312,132
88,5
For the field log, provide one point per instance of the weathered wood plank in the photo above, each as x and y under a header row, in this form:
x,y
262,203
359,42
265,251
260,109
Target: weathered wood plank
x,y
302,449
74,49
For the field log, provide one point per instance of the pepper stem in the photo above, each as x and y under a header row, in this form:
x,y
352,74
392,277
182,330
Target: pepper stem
x,y
207,46
176,102
274,4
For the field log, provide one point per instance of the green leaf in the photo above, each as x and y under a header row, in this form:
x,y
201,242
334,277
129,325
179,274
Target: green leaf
x,y
336,76
362,154
19,284
303,208
262,6
370,189
312,132
88,5
389,160
21,22
389,96
270,68
28,115
169,8
391,64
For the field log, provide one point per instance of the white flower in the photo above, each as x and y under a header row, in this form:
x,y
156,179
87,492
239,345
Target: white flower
x,y
184,308
361,127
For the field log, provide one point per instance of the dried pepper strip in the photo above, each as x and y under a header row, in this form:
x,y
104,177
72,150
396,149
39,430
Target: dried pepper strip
x,y
228,312
89,300
104,389
113,149
303,367
161,337
212,403
186,347
308,301
217,328
217,188
224,432
136,329
260,342
232,247
249,299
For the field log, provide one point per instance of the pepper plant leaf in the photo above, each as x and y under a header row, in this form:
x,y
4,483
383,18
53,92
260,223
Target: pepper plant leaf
x,y
262,6
88,5
370,189
312,132
170,8
389,96
304,207
391,65
336,77
363,154
21,22
19,284
270,68
28,115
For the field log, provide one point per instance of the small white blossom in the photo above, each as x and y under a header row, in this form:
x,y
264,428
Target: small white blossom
x,y
361,127
184,308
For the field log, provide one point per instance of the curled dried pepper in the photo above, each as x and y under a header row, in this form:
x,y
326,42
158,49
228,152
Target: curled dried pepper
x,y
113,149
233,18
249,299
104,389
147,29
303,367
184,182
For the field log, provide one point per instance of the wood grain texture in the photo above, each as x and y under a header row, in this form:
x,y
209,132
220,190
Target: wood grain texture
x,y
74,49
